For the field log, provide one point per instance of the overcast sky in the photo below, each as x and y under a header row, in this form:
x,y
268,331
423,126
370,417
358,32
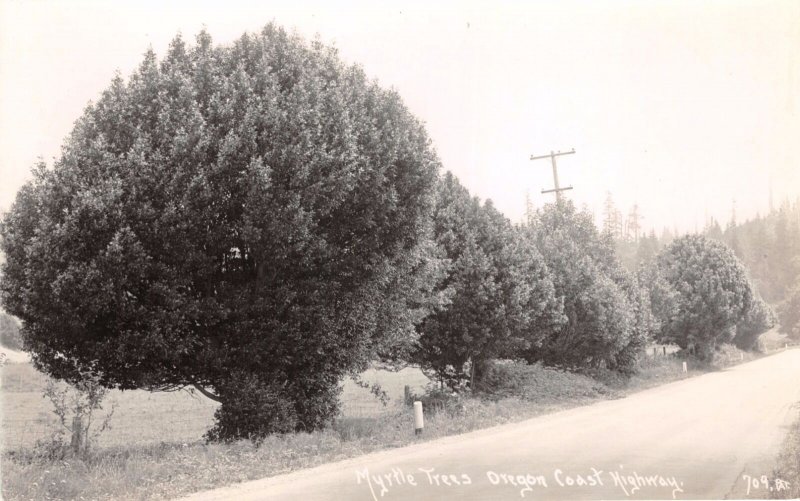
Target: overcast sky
x,y
681,107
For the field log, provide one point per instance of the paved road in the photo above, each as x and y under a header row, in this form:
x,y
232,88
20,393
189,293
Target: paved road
x,y
693,439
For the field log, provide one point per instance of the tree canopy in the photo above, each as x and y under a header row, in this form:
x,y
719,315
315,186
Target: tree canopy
x,y
249,219
501,297
713,295
607,317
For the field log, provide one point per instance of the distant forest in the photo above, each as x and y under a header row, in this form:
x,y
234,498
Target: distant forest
x,y
769,246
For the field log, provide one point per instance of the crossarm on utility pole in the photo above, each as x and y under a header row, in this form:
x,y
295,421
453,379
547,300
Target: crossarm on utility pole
x,y
552,156
557,190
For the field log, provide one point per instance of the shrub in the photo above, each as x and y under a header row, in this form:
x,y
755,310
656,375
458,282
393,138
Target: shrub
x,y
75,405
435,400
536,382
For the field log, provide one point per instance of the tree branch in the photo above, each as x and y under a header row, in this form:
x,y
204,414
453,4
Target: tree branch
x,y
207,393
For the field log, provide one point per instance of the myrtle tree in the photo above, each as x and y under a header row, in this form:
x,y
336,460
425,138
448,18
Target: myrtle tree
x,y
608,319
758,319
500,296
713,293
249,220
663,298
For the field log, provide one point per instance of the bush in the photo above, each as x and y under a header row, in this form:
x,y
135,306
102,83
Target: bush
x,y
436,400
75,405
535,382
726,355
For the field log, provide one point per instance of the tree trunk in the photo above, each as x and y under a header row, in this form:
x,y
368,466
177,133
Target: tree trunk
x,y
207,393
480,367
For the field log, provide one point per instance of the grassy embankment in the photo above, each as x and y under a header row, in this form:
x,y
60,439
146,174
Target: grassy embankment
x,y
129,463
788,468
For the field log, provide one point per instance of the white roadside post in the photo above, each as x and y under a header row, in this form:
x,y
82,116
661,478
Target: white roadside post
x,y
685,369
418,420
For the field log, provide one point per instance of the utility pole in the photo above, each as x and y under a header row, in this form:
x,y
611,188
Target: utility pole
x,y
552,156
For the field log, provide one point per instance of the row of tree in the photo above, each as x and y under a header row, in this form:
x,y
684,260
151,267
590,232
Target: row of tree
x,y
553,290
550,290
259,221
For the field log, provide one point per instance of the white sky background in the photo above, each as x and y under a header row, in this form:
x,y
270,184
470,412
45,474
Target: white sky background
x,y
681,107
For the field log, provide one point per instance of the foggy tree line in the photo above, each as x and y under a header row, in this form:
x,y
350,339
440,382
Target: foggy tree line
x,y
259,221
768,246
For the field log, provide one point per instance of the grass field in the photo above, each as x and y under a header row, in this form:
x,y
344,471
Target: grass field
x,y
165,470
142,417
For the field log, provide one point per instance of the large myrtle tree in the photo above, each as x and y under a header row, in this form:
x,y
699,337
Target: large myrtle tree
x,y
250,220
608,318
500,298
713,296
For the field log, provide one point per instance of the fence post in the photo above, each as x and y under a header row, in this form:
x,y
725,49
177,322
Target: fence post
x,y
77,435
406,395
654,352
685,369
418,420
665,350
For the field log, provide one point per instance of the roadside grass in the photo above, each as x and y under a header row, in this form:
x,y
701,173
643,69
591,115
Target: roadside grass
x,y
168,470
788,468
129,468
773,340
